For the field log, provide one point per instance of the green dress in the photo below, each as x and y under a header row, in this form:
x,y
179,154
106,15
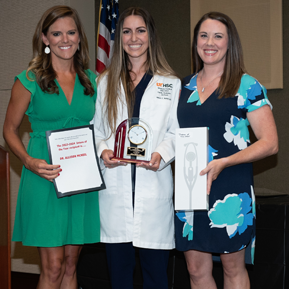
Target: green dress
x,y
42,219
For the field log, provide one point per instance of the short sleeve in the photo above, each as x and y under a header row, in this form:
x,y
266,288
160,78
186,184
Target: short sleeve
x,y
251,94
30,84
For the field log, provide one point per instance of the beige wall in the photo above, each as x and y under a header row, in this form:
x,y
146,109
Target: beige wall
x,y
18,20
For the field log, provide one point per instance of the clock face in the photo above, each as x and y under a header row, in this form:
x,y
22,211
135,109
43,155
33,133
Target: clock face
x,y
137,134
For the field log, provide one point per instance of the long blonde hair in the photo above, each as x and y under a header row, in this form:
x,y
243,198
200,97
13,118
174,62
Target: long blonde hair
x,y
234,65
41,64
120,68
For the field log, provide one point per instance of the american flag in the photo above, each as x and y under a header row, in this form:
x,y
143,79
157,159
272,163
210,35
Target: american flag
x,y
106,30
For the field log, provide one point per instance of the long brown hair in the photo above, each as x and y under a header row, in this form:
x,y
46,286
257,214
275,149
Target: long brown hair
x,y
41,64
120,68
234,64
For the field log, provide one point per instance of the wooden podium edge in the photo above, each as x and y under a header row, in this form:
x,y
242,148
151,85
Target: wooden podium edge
x,y
7,271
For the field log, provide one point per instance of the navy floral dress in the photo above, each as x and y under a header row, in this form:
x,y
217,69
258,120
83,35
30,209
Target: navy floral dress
x,y
229,224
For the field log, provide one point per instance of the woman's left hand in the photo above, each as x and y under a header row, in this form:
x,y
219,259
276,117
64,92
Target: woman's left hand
x,y
154,163
212,170
263,125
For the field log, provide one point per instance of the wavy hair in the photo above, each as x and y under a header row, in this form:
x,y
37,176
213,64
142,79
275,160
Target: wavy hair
x,y
120,68
41,64
234,64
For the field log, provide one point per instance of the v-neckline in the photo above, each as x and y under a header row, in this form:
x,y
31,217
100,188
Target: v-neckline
x,y
199,94
147,74
60,88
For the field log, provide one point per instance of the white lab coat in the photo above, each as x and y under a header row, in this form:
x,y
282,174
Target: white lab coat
x,y
150,224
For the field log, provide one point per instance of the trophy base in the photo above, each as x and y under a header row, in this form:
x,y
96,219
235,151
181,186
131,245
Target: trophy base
x,y
129,160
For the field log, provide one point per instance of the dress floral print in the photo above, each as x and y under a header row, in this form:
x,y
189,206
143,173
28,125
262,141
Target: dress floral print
x,y
229,224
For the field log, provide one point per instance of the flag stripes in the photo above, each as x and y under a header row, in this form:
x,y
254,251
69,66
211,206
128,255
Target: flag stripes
x,y
106,30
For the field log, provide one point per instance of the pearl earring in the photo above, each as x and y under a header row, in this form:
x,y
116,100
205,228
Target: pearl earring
x,y
47,50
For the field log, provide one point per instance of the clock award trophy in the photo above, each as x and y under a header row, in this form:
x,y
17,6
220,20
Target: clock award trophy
x,y
133,141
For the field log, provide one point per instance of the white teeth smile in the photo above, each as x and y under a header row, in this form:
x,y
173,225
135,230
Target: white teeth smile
x,y
135,46
66,47
210,51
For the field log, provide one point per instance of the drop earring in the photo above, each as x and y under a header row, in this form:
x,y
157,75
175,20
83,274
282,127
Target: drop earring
x,y
47,50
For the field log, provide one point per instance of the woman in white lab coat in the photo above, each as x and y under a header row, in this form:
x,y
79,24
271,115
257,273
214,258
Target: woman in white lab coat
x,y
136,208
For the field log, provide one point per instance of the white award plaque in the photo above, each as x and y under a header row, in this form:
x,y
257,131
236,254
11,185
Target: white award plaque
x,y
191,157
74,150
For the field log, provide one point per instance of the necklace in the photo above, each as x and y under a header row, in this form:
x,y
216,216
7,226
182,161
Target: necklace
x,y
203,89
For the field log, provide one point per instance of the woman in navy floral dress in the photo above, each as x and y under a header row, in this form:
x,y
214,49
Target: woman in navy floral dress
x,y
221,96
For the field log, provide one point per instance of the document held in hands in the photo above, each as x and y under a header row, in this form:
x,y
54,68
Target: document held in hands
x,y
74,150
191,157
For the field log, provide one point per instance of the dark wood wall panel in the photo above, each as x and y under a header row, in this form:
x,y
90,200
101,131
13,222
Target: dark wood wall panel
x,y
5,247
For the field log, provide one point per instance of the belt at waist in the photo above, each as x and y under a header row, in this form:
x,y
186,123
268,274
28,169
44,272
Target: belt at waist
x,y
68,123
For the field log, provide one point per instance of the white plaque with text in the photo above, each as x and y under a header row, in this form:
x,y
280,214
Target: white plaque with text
x,y
191,157
74,150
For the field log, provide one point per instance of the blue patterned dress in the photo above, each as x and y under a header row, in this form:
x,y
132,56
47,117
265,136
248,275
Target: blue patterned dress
x,y
229,224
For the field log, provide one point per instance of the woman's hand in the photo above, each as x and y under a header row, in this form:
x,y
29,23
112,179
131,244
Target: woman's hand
x,y
19,102
154,163
107,156
42,169
263,125
212,170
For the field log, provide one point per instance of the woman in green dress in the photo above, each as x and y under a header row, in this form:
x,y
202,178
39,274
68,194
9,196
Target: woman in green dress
x,y
56,91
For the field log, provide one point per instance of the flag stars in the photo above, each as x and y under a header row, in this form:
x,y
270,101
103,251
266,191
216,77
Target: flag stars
x,y
108,18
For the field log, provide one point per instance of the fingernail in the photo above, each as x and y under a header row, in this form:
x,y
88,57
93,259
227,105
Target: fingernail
x,y
150,164
61,170
58,174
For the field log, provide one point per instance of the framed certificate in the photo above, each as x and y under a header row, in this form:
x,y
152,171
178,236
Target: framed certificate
x,y
74,150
